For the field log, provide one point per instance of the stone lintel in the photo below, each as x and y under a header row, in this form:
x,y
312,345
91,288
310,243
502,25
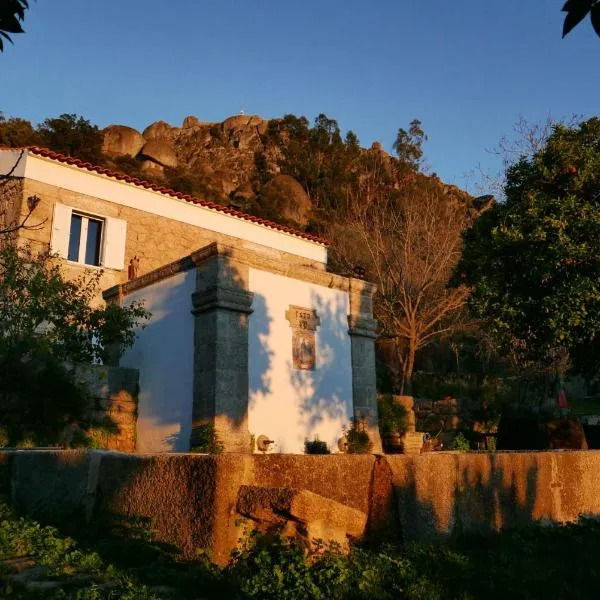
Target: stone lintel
x,y
222,298
264,262
164,272
360,291
362,326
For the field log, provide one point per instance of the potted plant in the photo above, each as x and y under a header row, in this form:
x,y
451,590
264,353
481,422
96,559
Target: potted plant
x,y
316,446
393,423
357,438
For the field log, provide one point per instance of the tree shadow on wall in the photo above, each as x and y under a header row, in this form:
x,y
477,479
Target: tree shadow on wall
x,y
169,333
489,521
259,351
450,496
325,393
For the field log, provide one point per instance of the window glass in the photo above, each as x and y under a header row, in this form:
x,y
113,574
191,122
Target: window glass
x,y
74,238
92,246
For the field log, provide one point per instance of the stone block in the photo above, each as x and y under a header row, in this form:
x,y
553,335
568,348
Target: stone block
x,y
322,519
412,442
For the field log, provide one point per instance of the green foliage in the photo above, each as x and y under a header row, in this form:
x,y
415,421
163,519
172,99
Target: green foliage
x,y
316,446
16,132
39,309
460,442
46,322
357,438
72,135
409,145
12,14
393,417
207,440
536,562
532,260
38,397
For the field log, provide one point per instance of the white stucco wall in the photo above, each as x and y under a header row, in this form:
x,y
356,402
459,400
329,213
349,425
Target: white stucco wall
x,y
289,405
164,354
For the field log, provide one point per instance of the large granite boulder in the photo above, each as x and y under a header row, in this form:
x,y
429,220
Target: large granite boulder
x,y
288,198
160,151
120,140
158,130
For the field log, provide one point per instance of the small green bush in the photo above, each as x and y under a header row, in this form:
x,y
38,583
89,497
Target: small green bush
x,y
357,438
393,417
316,446
207,440
460,442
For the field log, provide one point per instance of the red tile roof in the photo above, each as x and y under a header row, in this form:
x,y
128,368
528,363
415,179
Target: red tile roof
x,y
76,162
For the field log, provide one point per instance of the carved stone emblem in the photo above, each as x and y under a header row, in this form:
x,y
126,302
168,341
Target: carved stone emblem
x,y
304,322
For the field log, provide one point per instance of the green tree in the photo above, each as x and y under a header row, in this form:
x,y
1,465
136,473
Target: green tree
x,y
16,132
12,14
409,145
38,307
532,260
47,323
577,10
74,136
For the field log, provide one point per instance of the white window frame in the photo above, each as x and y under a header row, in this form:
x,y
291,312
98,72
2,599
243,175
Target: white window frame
x,y
85,220
113,237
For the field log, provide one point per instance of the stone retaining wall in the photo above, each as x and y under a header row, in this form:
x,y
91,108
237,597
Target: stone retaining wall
x,y
191,501
113,396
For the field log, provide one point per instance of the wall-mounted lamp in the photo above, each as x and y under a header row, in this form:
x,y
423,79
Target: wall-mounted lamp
x,y
32,202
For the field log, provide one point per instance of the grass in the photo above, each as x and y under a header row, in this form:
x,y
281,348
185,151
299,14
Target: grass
x,y
539,562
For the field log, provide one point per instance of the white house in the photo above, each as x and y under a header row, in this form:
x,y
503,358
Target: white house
x,y
249,331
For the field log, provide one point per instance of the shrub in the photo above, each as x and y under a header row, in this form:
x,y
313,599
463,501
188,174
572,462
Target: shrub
x,y
393,416
357,438
207,440
46,322
316,446
460,442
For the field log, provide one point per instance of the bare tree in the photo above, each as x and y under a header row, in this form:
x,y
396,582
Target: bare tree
x,y
10,224
526,140
409,245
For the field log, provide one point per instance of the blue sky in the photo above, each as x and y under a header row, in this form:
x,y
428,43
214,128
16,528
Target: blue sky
x,y
468,69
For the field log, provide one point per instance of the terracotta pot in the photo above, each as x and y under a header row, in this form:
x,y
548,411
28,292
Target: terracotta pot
x,y
392,443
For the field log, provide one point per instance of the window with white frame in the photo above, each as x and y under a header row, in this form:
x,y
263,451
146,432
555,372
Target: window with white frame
x,y
88,239
85,239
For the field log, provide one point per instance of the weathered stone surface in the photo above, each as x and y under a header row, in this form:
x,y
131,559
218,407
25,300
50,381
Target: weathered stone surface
x,y
191,501
191,121
238,122
120,140
244,193
362,329
412,442
157,130
222,304
288,196
160,151
322,519
151,167
50,485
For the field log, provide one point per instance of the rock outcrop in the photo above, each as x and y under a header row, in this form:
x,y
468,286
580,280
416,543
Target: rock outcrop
x,y
120,140
288,196
160,151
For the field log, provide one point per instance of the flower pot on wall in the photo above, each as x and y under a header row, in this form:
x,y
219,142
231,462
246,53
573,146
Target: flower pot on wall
x,y
392,443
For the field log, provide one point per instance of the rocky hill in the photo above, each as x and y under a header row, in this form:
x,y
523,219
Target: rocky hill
x,y
222,160
286,169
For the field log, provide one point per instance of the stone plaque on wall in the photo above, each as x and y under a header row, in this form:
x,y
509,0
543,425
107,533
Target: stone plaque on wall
x,y
304,322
